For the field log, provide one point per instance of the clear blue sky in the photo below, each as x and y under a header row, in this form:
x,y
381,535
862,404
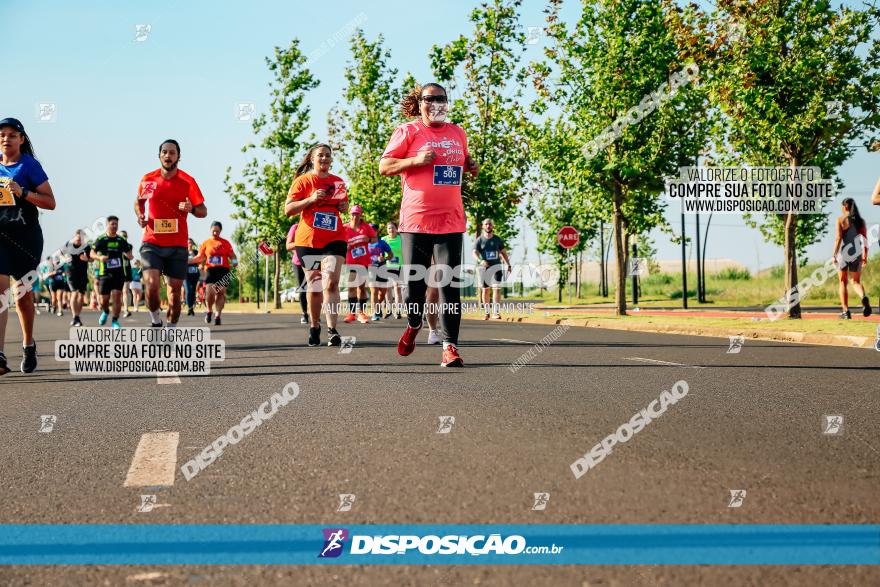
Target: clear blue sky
x,y
116,99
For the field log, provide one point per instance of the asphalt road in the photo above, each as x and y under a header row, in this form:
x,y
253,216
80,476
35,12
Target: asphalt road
x,y
366,423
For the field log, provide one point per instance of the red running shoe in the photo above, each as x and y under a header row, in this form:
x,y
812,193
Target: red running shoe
x,y
407,343
451,358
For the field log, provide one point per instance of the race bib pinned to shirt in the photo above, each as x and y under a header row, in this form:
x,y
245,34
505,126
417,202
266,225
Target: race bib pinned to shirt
x,y
114,263
6,197
325,221
491,255
447,174
192,268
358,252
215,260
165,225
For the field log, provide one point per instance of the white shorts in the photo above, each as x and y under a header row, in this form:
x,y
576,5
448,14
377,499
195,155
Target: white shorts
x,y
136,285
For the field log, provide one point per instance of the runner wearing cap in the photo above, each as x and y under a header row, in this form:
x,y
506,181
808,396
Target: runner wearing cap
x,y
430,155
318,197
396,299
78,275
359,235
24,187
108,250
126,287
219,257
301,281
193,275
380,253
489,252
165,199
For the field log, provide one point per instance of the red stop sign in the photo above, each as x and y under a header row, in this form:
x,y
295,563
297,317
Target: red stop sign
x,y
568,237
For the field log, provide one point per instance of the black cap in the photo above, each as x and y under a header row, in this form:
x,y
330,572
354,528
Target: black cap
x,y
14,123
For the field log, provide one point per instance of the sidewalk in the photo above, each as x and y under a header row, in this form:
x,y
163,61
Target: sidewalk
x,y
819,325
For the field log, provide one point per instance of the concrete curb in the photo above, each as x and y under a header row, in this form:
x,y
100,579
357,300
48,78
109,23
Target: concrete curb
x,y
781,336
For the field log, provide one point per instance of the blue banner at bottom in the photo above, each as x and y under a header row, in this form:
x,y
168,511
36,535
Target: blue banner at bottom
x,y
173,544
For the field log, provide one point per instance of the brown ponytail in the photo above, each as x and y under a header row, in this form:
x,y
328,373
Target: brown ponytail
x,y
306,164
409,105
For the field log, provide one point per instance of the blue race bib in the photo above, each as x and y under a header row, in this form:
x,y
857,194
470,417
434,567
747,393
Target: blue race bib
x,y
192,268
358,252
447,174
215,260
114,263
491,255
325,221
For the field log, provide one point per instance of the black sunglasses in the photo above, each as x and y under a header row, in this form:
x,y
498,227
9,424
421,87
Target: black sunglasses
x,y
433,99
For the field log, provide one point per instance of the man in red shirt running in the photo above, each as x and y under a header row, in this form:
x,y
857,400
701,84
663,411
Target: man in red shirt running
x,y
165,199
218,256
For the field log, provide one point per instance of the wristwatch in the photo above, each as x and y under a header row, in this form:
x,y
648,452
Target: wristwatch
x,y
24,193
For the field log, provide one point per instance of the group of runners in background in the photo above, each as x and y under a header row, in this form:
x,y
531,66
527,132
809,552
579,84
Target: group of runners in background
x,y
431,156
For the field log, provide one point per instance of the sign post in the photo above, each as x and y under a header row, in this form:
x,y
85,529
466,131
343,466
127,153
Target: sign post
x,y
568,238
267,251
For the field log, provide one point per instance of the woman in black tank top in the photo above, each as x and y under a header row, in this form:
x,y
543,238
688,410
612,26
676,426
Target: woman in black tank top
x,y
851,254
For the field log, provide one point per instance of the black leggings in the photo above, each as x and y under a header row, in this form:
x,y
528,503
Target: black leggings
x,y
417,250
304,293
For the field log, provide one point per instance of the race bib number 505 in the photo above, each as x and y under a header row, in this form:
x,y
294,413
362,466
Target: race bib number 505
x,y
447,174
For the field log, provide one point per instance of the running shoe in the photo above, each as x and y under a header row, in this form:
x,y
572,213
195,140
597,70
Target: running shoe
x,y
76,321
363,318
434,337
407,343
349,319
845,315
115,323
334,338
389,314
155,324
451,358
127,314
315,336
217,321
496,317
376,317
866,307
485,316
60,312
398,316
103,319
4,367
304,319
190,312
208,317
29,360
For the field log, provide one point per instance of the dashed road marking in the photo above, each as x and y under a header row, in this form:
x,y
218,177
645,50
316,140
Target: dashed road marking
x,y
155,460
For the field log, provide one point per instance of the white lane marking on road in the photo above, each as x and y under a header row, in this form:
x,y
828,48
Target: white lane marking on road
x,y
657,362
170,379
512,340
155,460
146,576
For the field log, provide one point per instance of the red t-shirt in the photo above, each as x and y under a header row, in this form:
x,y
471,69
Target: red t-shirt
x,y
166,224
358,244
320,224
431,193
217,252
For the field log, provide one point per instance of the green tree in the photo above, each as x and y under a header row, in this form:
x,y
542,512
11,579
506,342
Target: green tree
x,y
774,67
619,61
490,111
260,191
360,128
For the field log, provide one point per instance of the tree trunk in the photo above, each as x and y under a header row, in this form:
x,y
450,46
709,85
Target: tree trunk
x,y
791,275
620,253
276,279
